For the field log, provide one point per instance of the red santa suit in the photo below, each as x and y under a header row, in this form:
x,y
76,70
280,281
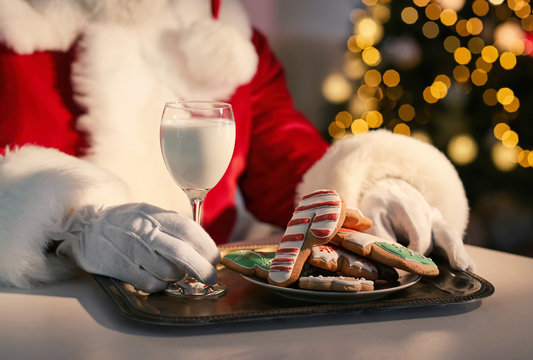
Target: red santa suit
x,y
81,96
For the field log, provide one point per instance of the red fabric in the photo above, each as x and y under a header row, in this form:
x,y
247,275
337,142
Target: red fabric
x,y
275,143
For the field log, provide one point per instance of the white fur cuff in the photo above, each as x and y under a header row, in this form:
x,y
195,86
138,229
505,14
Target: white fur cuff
x,y
38,188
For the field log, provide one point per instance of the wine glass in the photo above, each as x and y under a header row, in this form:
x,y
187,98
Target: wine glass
x,y
197,142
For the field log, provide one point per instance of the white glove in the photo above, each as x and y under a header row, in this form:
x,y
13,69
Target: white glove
x,y
140,244
397,209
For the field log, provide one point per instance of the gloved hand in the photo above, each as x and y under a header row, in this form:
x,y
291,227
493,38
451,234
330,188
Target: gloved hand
x,y
400,213
140,244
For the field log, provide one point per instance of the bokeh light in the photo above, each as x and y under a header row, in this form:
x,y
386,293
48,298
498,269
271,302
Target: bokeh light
x,y
462,149
336,88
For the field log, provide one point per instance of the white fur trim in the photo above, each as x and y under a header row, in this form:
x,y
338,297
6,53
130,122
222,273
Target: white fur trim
x,y
28,26
38,188
351,166
125,74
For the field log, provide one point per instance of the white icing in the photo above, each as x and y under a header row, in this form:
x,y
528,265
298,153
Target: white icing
x,y
341,280
359,262
326,253
363,239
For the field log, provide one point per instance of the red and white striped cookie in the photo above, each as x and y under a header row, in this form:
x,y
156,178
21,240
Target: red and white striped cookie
x,y
315,221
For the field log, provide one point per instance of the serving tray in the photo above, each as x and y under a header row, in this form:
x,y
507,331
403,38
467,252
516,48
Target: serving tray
x,y
246,301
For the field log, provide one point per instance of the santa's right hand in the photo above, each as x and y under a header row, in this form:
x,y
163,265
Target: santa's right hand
x,y
140,244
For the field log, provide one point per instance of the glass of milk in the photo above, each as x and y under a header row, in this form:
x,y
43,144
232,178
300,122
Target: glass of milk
x,y
197,142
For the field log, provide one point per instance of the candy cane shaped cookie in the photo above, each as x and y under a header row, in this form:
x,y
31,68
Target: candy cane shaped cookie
x,y
315,221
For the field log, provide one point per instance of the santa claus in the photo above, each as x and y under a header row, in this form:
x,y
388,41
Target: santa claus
x,y
83,84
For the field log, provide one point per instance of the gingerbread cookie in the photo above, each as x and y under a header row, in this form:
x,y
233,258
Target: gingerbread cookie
x,y
335,259
249,262
335,283
386,252
356,220
315,221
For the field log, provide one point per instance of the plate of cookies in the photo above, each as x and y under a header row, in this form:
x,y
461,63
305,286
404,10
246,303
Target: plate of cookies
x,y
325,256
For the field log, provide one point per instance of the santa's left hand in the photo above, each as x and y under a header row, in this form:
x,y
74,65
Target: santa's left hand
x,y
401,213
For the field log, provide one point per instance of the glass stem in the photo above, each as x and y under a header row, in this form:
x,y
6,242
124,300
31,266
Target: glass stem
x,y
196,204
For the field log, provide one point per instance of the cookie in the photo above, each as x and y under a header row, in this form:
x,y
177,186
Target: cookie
x,y
335,283
315,221
249,262
386,252
335,259
356,220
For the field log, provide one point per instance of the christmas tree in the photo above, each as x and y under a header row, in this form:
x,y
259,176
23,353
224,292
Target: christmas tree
x,y
455,74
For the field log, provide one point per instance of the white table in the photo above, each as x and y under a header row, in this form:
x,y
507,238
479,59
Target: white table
x,y
76,320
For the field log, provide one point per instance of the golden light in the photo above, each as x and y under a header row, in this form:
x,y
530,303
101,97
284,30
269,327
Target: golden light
x,y
461,73
527,23
489,54
452,4
462,55
439,89
509,37
460,27
372,78
500,129
501,157
371,56
479,77
509,139
508,60
480,7
444,79
409,15
474,26
356,15
448,17
381,13
402,129
374,119
336,88
335,131
515,4
430,30
363,41
505,96
394,93
513,106
433,11
530,158
489,97
422,136
406,112
496,2
523,158
462,149
420,3
354,68
359,126
391,78
369,2
352,45
483,65
451,43
524,11
475,45
428,97
367,27
344,118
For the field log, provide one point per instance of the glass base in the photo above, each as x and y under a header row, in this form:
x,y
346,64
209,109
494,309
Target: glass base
x,y
193,289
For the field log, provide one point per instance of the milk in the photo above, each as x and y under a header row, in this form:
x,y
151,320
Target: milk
x,y
197,152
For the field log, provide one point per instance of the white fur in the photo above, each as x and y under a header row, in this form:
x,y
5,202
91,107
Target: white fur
x,y
351,166
38,188
28,26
